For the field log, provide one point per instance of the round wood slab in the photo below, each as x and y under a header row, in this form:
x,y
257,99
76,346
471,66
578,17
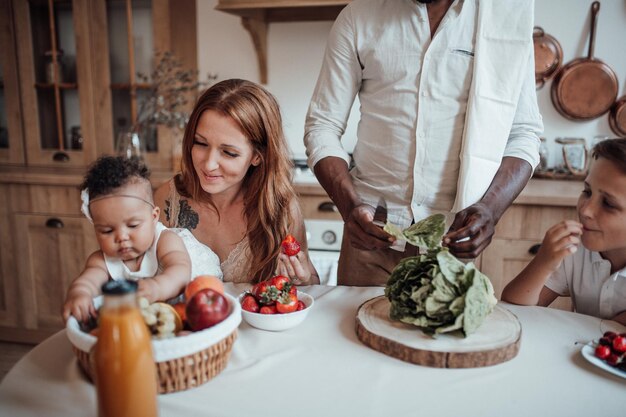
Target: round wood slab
x,y
496,341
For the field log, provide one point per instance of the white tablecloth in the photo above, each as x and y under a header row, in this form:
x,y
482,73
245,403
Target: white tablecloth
x,y
320,368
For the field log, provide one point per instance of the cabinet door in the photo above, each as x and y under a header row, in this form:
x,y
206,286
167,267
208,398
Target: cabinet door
x,y
51,252
11,137
139,32
505,258
54,55
8,277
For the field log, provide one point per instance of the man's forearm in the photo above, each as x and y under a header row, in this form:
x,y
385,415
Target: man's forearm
x,y
510,180
333,175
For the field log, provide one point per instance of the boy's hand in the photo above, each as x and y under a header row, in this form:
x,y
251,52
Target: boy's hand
x,y
80,306
560,240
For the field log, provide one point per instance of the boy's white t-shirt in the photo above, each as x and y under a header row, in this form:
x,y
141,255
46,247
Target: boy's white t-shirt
x,y
586,277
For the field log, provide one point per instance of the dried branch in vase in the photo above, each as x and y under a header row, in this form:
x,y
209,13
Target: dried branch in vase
x,y
173,87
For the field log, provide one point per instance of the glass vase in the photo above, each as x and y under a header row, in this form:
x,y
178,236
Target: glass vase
x,y
129,145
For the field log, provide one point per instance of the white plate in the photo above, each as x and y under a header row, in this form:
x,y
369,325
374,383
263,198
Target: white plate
x,y
588,352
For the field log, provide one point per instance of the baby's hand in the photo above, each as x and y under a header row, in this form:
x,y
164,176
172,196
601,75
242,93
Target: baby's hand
x,y
148,288
561,240
80,306
294,267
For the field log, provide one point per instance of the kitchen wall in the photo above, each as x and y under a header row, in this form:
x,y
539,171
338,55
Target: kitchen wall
x,y
295,52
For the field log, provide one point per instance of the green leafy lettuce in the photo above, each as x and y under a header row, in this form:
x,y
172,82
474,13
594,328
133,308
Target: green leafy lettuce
x,y
435,291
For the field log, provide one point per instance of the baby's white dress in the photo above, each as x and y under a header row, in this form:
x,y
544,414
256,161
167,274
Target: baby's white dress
x,y
203,260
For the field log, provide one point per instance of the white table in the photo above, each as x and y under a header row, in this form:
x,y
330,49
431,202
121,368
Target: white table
x,y
321,369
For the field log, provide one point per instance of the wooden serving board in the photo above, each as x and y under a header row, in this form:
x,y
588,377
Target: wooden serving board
x,y
496,341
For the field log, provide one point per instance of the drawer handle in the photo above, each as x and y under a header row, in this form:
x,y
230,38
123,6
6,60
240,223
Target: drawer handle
x,y
534,249
60,157
54,223
328,206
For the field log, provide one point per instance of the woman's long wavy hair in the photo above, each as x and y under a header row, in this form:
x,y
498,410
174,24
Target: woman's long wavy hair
x,y
267,188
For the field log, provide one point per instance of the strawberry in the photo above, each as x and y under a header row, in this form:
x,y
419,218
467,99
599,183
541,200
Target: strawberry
x,y
249,303
268,310
290,246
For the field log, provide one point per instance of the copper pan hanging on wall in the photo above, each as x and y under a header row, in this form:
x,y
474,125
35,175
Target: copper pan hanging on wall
x,y
548,56
617,117
586,87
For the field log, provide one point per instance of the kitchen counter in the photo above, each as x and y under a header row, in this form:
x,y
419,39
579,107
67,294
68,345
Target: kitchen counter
x,y
550,192
537,192
58,176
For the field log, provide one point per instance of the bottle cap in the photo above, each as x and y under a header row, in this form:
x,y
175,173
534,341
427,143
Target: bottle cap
x,y
120,287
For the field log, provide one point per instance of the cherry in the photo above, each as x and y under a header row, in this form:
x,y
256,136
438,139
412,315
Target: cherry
x,y
612,359
602,351
619,344
609,335
604,341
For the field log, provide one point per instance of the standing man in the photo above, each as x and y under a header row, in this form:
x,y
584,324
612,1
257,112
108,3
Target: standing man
x,y
449,122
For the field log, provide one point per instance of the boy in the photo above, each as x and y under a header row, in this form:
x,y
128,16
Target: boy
x,y
592,274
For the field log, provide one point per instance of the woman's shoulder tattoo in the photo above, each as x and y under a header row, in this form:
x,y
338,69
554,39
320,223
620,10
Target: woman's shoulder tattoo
x,y
187,217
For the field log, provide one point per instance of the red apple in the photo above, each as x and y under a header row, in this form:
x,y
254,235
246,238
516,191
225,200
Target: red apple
x,y
205,309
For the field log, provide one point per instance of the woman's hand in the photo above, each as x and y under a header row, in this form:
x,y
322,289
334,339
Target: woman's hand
x,y
295,267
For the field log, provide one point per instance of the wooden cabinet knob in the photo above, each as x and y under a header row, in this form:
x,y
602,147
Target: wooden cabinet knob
x,y
534,249
60,157
328,207
54,223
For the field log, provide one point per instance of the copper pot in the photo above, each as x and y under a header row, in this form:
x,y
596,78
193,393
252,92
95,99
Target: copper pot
x,y
548,56
617,117
585,88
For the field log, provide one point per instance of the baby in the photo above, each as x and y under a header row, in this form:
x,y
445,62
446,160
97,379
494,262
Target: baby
x,y
592,274
134,245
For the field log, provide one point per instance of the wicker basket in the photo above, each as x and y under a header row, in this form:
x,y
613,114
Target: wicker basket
x,y
182,362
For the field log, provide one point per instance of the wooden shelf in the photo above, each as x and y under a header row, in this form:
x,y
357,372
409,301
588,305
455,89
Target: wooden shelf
x,y
127,86
62,86
257,14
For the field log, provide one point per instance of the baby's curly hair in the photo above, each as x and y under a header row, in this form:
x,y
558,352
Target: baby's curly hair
x,y
109,173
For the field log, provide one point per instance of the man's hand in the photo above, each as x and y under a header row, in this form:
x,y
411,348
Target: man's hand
x,y
477,222
471,231
364,234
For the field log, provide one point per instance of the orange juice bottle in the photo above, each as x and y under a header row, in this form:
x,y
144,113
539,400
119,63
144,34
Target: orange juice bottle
x,y
125,372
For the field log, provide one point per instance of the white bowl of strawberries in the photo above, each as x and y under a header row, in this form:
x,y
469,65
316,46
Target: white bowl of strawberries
x,y
275,305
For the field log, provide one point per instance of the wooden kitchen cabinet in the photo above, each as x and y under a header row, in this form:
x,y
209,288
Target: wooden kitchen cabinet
x,y
76,65
46,241
52,252
8,279
45,238
518,236
11,136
